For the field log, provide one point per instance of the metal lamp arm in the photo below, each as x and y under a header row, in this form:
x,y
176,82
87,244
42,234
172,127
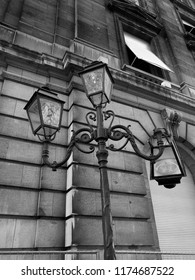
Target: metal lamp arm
x,y
55,165
116,134
139,153
86,137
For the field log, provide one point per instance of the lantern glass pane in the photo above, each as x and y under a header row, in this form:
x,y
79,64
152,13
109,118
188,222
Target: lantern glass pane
x,y
108,86
167,164
93,81
46,131
51,112
34,115
49,131
97,99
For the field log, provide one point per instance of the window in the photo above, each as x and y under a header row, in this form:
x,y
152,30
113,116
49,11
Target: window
x,y
141,3
141,56
137,31
189,27
184,1
188,2
138,2
134,2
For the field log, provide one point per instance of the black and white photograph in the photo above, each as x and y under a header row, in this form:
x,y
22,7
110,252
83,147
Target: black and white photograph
x,y
97,138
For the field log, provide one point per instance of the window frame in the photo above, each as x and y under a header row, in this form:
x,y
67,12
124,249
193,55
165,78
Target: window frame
x,y
143,51
142,3
188,36
132,1
124,25
188,3
187,23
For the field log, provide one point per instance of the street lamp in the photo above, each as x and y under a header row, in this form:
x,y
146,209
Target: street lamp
x,y
168,169
44,111
98,84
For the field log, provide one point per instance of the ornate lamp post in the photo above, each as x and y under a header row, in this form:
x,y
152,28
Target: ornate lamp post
x,y
45,119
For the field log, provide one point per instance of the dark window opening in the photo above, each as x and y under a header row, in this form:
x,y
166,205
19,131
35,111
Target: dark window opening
x,y
189,28
140,55
143,65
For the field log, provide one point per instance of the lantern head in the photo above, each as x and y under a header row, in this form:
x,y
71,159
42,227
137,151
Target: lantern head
x,y
98,83
44,110
169,168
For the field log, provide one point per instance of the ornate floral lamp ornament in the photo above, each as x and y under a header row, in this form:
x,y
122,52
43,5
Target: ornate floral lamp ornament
x,y
97,82
44,111
169,168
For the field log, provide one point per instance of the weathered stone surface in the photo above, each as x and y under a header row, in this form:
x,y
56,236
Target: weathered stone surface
x,y
22,151
17,233
123,161
122,205
89,177
27,176
18,202
51,204
50,233
88,231
19,175
53,180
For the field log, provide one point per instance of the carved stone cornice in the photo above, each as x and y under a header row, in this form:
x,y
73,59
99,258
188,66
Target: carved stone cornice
x,y
67,68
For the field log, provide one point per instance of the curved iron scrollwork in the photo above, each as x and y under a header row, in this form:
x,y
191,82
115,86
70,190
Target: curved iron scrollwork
x,y
86,137
116,134
107,115
91,116
82,139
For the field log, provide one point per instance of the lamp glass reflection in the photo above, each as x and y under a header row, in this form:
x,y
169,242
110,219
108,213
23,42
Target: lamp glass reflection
x,y
108,85
167,164
93,81
50,112
34,115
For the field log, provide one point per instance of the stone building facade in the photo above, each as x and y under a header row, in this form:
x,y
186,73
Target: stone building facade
x,y
47,42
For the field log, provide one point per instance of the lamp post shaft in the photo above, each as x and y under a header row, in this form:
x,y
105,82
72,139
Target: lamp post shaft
x,y
102,155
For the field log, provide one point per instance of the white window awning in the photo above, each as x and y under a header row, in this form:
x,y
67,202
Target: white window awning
x,y
187,23
189,27
142,50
